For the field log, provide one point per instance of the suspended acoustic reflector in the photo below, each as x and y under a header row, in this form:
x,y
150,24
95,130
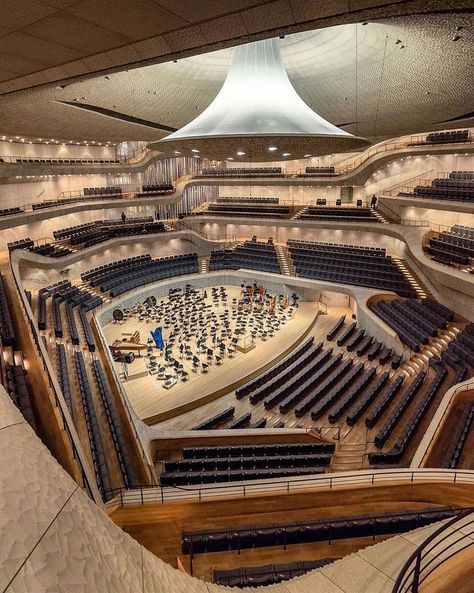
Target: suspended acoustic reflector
x,y
258,116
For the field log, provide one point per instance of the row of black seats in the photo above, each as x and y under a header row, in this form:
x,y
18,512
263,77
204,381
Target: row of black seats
x,y
274,389
259,450
246,200
415,322
394,418
462,346
93,429
19,393
447,137
101,271
461,175
102,191
433,193
109,231
54,203
216,420
237,475
354,276
25,243
247,208
246,462
156,189
275,371
395,454
86,328
51,250
458,437
319,530
357,212
43,295
336,247
127,467
51,161
7,331
319,170
242,172
10,211
63,377
303,386
175,265
258,576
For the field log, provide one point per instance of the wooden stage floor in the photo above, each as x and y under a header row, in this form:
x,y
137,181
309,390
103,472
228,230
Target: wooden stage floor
x,y
153,403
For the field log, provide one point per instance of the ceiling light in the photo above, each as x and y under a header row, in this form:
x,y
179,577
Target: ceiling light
x,y
176,152
307,156
286,153
456,38
194,150
231,158
272,148
240,153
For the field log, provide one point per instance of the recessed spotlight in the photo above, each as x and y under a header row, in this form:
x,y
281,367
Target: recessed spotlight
x,y
456,38
194,150
240,153
307,156
231,158
286,153
176,152
272,148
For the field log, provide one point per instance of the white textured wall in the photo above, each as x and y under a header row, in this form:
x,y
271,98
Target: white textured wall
x,y
404,169
56,150
47,188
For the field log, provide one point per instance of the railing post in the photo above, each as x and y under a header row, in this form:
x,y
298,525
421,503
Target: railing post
x,y
416,574
141,493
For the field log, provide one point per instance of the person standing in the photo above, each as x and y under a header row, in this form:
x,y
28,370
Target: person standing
x,y
373,201
123,216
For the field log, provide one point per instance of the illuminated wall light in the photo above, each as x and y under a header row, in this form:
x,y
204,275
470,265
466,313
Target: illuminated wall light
x,y
272,148
240,153
194,150
286,153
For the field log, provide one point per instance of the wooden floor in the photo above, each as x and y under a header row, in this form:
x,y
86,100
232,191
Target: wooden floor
x,y
159,527
318,330
153,403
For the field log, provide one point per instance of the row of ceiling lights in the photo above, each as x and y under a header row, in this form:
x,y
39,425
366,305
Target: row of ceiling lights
x,y
19,139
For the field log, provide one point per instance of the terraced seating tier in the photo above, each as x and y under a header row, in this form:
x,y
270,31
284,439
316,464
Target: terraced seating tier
x,y
284,534
459,436
271,574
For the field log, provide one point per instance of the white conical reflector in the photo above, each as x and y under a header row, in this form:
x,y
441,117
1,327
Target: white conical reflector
x,y
256,109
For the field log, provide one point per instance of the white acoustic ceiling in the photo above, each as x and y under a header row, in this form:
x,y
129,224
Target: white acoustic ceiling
x,y
379,80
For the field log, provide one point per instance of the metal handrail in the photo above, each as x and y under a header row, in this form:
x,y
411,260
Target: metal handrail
x,y
413,573
140,495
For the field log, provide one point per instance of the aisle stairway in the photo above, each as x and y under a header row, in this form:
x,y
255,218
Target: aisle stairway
x,y
204,264
415,283
284,261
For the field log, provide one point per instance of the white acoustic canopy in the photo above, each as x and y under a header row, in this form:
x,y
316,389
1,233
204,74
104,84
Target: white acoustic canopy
x,y
258,116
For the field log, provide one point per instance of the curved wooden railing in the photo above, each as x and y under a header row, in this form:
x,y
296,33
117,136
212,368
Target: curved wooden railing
x,y
141,495
450,539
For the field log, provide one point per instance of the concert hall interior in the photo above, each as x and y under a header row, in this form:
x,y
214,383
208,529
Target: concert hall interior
x,y
237,296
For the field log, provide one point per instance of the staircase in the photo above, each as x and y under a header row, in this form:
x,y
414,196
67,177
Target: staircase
x,y
348,457
421,291
204,264
436,347
380,217
299,212
284,260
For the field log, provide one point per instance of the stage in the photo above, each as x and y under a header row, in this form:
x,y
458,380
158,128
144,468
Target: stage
x,y
153,403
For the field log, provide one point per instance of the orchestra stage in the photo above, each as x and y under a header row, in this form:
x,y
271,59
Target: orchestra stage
x,y
153,403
